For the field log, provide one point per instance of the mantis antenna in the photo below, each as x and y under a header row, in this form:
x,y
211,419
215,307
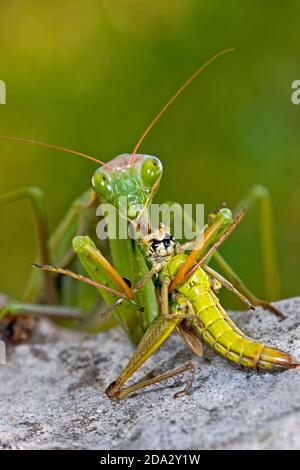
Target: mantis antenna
x,y
55,147
178,92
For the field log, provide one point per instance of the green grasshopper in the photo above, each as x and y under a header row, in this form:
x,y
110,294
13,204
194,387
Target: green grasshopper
x,y
148,313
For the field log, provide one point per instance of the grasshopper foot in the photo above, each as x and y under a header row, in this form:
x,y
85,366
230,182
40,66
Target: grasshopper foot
x,y
187,389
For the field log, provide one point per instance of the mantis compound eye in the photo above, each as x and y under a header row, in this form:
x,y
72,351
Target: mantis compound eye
x,y
151,171
101,183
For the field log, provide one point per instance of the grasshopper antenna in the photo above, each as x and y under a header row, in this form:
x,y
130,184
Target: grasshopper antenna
x,y
178,92
55,147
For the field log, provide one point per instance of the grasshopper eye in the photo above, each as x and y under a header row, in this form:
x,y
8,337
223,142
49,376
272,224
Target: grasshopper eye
x,y
101,184
151,171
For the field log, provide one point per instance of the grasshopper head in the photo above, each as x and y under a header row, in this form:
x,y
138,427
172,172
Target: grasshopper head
x,y
134,178
158,244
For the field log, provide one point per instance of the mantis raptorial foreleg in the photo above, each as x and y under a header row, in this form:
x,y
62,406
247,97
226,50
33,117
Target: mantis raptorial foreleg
x,y
100,270
77,221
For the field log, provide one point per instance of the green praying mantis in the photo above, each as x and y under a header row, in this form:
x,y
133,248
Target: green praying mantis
x,y
155,285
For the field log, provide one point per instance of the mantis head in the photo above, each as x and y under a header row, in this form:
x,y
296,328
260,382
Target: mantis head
x,y
134,177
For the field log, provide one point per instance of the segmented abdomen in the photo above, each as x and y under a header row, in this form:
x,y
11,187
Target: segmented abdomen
x,y
218,330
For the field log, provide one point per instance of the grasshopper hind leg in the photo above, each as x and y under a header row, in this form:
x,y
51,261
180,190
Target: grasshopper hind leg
x,y
159,330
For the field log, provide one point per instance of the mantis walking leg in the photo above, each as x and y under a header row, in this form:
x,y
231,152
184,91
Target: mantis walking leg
x,y
57,248
225,283
52,311
244,297
261,196
240,286
16,310
37,200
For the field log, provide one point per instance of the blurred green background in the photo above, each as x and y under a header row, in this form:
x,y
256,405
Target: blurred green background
x,y
90,75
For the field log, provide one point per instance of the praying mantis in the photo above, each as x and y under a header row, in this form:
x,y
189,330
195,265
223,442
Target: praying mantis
x,y
153,285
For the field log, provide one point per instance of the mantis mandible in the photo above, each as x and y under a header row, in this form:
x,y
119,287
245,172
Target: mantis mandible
x,y
136,176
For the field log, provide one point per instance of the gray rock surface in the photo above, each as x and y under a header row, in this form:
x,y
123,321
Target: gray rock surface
x,y
52,394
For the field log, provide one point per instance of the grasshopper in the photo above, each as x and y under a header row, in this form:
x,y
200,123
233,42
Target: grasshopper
x,y
187,291
148,313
